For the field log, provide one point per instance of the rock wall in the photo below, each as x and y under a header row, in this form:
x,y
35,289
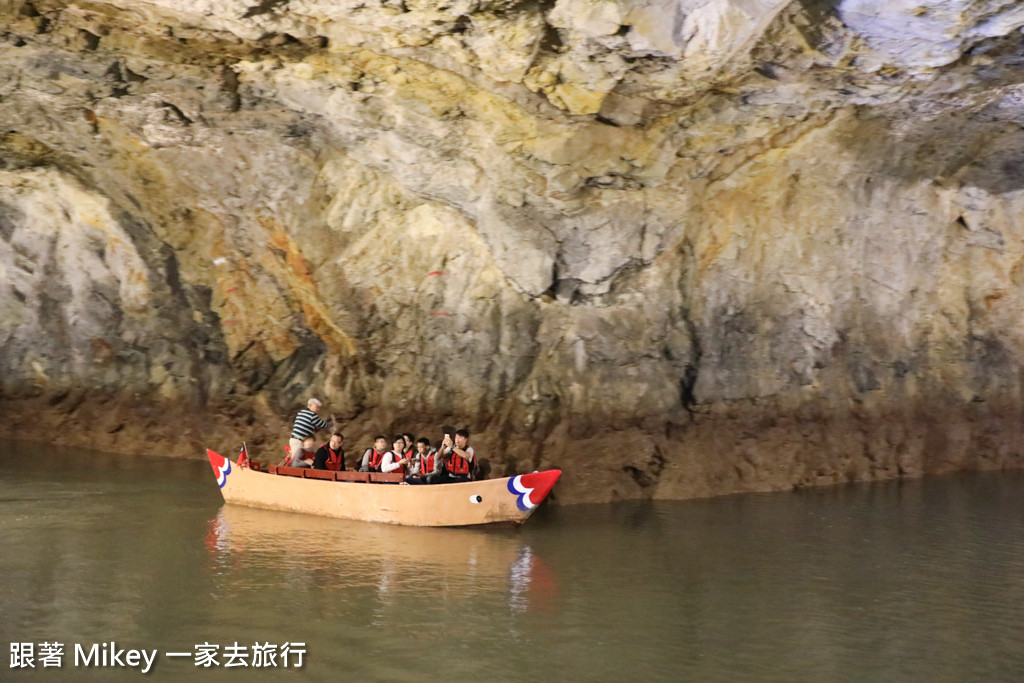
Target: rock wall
x,y
675,247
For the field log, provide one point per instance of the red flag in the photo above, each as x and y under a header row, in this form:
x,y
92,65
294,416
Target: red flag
x,y
243,456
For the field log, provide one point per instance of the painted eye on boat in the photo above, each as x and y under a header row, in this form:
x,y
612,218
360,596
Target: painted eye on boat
x,y
475,499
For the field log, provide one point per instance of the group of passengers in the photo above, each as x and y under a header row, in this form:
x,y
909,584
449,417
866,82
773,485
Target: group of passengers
x,y
420,463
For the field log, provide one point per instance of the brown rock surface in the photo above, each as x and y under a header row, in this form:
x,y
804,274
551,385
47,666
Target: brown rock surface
x,y
675,247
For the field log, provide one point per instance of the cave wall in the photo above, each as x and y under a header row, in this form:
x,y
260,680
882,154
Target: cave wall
x,y
675,248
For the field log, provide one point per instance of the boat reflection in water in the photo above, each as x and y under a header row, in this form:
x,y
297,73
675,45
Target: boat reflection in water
x,y
337,554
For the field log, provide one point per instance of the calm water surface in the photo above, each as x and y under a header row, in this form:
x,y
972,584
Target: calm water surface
x,y
914,582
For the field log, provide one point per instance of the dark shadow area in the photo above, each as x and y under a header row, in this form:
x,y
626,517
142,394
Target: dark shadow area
x,y
964,129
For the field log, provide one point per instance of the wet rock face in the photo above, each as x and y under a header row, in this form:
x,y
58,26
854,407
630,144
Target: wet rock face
x,y
675,248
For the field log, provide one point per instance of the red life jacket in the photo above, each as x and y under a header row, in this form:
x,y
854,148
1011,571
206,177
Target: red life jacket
x,y
375,459
335,459
427,464
457,464
395,458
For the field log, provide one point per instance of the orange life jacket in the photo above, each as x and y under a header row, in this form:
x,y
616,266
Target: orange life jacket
x,y
375,459
396,457
457,464
427,464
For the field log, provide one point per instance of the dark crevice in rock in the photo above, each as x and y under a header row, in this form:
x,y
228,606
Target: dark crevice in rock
x,y
131,76
10,217
567,290
863,374
264,7
114,72
173,276
90,41
176,113
255,369
229,84
768,70
295,374
279,39
647,475
551,41
691,370
686,387
57,398
29,10
461,25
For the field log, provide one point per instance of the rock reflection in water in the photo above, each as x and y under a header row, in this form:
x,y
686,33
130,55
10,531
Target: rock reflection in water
x,y
335,555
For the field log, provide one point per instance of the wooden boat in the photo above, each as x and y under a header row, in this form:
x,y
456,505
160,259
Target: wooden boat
x,y
377,497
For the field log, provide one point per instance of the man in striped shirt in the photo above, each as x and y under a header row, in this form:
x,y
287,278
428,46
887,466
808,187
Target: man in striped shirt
x,y
307,423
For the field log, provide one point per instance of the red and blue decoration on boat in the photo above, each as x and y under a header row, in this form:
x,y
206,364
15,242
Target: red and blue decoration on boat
x,y
221,467
532,487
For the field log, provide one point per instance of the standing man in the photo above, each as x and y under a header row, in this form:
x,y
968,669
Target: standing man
x,y
458,458
307,423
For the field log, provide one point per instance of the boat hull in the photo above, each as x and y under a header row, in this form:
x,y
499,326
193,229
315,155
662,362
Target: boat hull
x,y
489,501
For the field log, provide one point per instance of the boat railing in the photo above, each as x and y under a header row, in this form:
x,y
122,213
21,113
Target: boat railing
x,y
328,475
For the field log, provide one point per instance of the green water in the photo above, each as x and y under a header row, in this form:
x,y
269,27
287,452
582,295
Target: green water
x,y
922,581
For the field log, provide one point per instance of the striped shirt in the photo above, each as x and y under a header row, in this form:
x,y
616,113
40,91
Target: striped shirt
x,y
306,424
